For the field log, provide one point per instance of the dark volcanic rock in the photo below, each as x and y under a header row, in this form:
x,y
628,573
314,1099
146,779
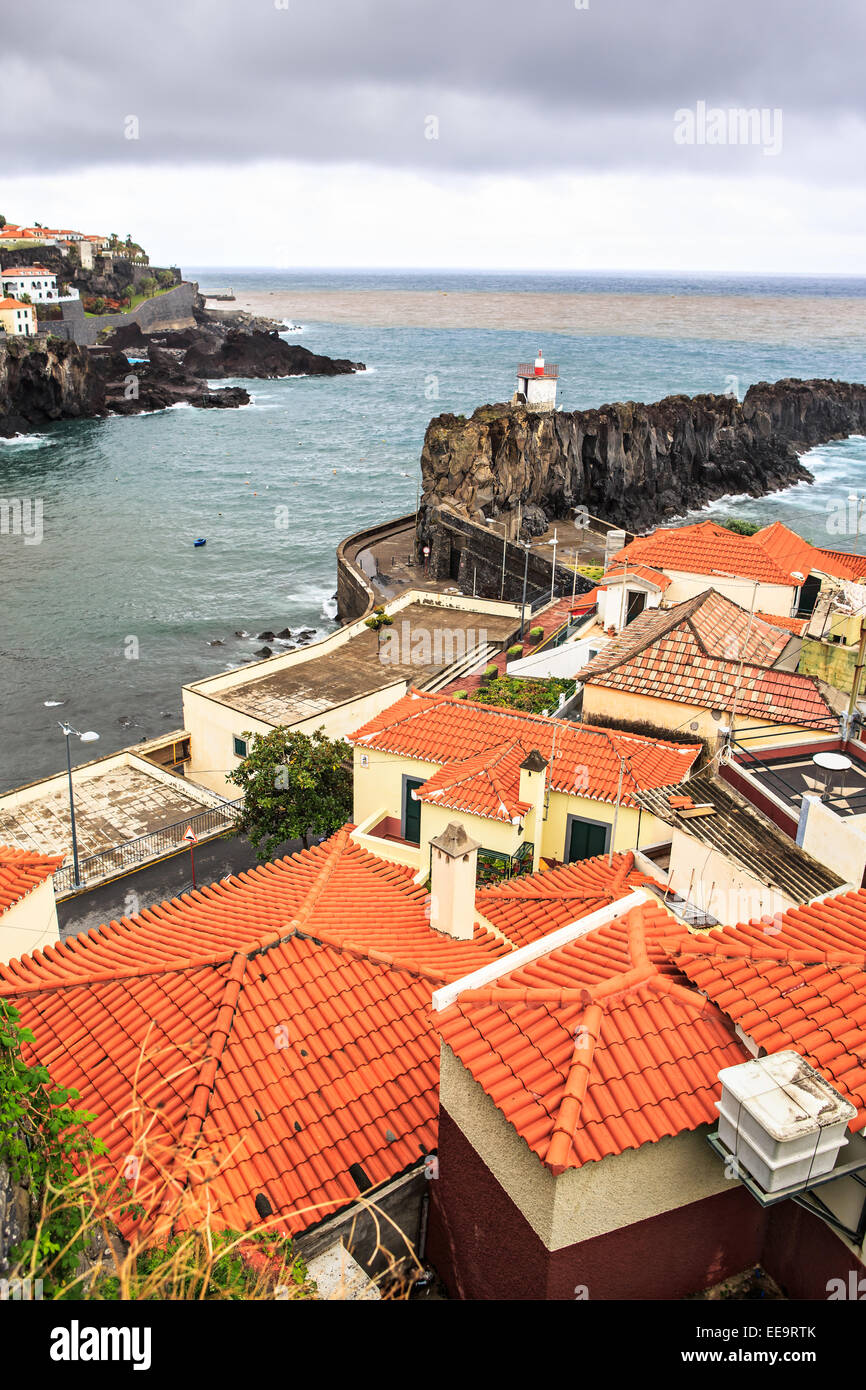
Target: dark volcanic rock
x,y
629,463
260,355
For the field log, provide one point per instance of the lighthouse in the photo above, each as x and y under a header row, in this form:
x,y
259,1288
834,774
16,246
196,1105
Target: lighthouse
x,y
536,384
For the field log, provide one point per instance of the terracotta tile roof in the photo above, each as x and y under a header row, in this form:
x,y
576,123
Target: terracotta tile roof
x,y
707,548
621,571
841,565
482,785
796,625
21,871
525,909
788,549
597,1047
692,654
14,304
583,760
794,981
17,271
259,1036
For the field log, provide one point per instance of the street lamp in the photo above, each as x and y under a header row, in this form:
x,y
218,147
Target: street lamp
x,y
88,737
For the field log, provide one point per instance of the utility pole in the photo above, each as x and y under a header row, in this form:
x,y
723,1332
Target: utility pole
x,y
858,676
523,600
616,810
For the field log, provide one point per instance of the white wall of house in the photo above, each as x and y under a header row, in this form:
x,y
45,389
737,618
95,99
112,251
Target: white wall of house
x,y
30,924
41,288
769,598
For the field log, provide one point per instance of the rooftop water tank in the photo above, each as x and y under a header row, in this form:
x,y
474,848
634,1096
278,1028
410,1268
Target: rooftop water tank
x,y
782,1121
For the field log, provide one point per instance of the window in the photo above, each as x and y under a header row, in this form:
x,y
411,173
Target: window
x,y
242,748
593,651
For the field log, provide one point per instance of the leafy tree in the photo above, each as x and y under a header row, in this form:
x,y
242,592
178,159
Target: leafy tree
x,y
534,697
43,1139
2,220
742,527
294,785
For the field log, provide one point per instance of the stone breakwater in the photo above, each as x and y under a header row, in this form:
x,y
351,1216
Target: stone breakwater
x,y
634,465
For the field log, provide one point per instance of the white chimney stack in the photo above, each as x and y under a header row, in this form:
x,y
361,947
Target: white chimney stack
x,y
454,859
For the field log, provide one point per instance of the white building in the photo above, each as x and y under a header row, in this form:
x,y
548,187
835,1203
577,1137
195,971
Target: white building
x,y
33,280
536,384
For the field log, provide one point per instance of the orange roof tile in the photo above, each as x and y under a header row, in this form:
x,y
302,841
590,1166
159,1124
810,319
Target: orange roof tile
x,y
266,1033
597,1047
623,571
706,652
798,981
841,565
485,784
582,760
707,548
21,871
525,909
796,625
14,304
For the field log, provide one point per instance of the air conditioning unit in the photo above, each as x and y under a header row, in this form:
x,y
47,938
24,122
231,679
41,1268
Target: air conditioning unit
x,y
781,1120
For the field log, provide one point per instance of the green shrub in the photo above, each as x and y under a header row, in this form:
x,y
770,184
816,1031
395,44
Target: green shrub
x,y
515,651
490,673
741,527
532,696
536,634
459,694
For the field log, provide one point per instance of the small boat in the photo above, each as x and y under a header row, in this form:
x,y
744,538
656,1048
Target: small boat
x,y
201,541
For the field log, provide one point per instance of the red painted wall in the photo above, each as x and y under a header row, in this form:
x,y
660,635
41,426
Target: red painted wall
x,y
484,1249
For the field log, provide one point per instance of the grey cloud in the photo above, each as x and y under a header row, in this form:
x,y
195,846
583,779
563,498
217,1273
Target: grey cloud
x,y
539,85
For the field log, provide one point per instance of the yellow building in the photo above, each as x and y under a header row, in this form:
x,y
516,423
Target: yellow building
x,y
17,319
527,788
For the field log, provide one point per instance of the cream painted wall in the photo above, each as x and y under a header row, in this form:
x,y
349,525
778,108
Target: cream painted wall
x,y
30,924
769,598
602,703
584,1202
711,881
561,806
837,841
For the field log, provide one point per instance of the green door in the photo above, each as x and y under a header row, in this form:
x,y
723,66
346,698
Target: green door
x,y
411,811
586,840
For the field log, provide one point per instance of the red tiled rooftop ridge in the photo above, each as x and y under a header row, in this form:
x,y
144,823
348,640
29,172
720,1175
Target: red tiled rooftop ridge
x,y
598,1047
22,870
582,760
798,981
773,555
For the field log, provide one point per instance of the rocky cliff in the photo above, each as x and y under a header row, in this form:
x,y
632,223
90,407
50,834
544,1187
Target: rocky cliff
x,y
630,463
42,382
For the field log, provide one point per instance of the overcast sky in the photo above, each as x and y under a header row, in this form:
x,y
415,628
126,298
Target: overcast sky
x,y
427,132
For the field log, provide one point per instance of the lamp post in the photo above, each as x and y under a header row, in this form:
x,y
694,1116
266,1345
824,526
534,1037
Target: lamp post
x,y
88,737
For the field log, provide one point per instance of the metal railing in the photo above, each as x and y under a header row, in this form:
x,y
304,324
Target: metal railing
x,y
494,866
145,848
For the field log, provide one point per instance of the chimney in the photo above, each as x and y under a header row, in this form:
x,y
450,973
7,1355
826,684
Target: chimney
x,y
533,789
452,882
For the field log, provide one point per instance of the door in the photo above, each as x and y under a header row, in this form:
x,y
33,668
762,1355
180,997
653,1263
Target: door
x,y
636,605
586,839
411,810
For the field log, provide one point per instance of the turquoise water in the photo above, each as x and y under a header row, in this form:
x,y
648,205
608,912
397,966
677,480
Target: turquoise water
x,y
123,499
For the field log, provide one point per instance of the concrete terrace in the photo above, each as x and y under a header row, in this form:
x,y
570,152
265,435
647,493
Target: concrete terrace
x,y
117,799
285,691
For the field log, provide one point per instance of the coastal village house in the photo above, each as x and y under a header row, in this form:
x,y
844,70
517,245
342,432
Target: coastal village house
x,y
341,681
579,1084
37,282
17,319
527,788
708,667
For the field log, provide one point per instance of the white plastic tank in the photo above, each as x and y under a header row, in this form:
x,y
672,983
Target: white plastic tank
x,y
782,1121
